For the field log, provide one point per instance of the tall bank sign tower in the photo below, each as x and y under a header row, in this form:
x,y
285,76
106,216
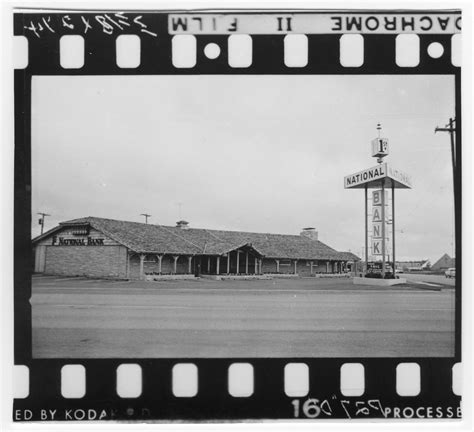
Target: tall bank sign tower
x,y
380,222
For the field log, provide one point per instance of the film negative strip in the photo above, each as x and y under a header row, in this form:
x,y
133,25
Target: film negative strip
x,y
201,387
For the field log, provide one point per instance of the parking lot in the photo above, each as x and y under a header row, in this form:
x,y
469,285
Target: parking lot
x,y
91,318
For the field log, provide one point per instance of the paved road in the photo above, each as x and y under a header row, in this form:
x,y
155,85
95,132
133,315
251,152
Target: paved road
x,y
93,319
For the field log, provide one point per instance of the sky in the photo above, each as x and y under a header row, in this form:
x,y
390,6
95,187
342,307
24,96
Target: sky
x,y
251,153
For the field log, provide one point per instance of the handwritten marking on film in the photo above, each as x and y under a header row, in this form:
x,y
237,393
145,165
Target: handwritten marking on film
x,y
313,408
107,23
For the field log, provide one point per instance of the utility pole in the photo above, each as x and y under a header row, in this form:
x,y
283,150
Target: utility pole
x,y
41,221
452,130
146,216
450,127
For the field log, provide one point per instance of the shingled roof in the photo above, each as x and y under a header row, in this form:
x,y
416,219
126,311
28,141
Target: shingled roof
x,y
349,256
161,239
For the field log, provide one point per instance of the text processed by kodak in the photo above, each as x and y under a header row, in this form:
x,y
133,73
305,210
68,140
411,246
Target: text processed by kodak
x,y
200,387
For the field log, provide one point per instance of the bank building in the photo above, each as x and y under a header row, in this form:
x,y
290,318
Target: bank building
x,y
107,248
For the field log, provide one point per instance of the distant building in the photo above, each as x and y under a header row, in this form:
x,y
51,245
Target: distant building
x,y
444,263
111,248
413,265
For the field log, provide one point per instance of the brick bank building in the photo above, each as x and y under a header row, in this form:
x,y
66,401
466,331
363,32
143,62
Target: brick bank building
x,y
109,248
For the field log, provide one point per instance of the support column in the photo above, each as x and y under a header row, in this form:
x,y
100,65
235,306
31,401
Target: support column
x,y
208,265
175,265
190,259
327,266
383,229
160,259
311,267
256,266
127,271
238,262
228,262
142,260
246,263
393,228
218,262
366,232
296,263
278,265
260,265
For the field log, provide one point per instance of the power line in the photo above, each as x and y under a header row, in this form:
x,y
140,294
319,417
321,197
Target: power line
x,y
423,200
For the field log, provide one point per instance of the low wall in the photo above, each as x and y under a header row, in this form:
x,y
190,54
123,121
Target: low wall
x,y
236,277
282,275
153,278
378,282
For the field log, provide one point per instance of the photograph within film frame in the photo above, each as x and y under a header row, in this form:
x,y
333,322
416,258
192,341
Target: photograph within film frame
x,y
342,46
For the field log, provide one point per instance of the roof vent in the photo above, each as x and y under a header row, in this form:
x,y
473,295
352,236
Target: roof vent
x,y
310,232
182,224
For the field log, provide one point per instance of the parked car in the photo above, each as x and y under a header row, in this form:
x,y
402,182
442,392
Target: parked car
x,y
450,273
398,270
